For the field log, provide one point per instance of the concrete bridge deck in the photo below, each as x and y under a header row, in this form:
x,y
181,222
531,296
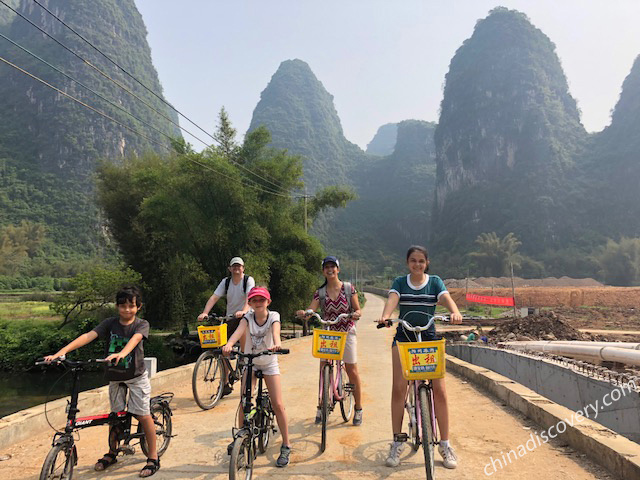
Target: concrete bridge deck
x,y
483,427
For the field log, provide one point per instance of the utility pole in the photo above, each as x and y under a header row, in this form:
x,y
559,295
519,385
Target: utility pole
x,y
305,209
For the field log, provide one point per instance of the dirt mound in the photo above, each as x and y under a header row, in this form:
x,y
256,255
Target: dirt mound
x,y
505,282
543,326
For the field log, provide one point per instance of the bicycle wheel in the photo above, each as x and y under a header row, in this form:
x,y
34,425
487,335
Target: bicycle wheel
x,y
265,423
347,402
424,398
326,378
207,382
413,420
59,463
161,415
241,462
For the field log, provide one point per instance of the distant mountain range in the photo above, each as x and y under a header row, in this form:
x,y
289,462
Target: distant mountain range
x,y
508,153
50,145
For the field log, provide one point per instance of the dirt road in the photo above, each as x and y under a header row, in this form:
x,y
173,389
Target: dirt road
x,y
481,428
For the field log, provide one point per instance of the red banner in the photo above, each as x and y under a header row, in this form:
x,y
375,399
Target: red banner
x,y
502,301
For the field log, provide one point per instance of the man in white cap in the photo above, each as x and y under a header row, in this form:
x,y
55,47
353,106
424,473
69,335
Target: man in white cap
x,y
235,288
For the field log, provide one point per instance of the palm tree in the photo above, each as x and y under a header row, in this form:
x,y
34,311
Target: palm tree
x,y
494,255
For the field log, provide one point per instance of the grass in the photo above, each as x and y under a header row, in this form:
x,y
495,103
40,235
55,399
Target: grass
x,y
20,311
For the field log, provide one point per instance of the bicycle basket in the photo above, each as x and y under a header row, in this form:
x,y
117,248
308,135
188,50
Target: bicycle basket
x,y
422,360
211,337
328,344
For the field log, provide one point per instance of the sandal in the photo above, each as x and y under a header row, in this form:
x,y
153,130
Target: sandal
x,y
152,467
107,460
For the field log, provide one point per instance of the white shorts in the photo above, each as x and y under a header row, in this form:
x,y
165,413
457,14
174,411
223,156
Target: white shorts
x,y
350,349
271,368
139,395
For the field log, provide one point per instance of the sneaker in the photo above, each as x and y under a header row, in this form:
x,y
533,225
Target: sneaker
x,y
283,459
449,458
393,460
226,390
318,416
357,418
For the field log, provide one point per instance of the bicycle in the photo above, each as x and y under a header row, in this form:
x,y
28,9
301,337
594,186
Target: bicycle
x,y
63,456
420,406
207,381
333,389
257,424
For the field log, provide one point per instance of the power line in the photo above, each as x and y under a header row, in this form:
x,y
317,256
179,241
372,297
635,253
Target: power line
x,y
159,97
277,185
113,104
123,87
83,104
104,74
71,97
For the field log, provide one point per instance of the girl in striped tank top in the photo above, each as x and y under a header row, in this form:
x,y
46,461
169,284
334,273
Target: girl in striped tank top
x,y
331,297
418,292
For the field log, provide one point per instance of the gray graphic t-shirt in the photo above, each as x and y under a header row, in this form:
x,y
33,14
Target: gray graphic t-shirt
x,y
117,336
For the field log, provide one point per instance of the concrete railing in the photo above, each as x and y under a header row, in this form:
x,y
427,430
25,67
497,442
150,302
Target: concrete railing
x,y
561,385
27,423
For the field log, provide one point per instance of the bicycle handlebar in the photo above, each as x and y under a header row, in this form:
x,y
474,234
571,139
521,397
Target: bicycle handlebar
x,y
215,316
406,325
235,351
328,322
71,363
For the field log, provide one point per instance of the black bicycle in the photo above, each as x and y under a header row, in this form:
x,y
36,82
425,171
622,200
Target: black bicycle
x,y
207,381
258,420
63,456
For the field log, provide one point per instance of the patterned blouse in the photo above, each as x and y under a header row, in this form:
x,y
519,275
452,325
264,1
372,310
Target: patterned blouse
x,y
333,308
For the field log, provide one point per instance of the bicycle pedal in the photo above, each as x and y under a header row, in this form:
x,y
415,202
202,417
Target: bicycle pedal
x,y
401,437
127,450
349,387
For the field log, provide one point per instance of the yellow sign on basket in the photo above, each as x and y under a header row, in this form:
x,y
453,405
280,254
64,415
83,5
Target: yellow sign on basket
x,y
328,344
422,360
211,337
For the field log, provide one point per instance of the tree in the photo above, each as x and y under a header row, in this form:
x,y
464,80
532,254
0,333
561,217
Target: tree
x,y
620,262
225,137
93,290
494,255
179,219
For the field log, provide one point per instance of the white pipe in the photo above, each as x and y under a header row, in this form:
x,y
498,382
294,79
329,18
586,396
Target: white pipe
x,y
606,353
627,345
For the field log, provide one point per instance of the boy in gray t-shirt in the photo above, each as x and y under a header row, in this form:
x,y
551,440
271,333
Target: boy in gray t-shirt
x,y
126,371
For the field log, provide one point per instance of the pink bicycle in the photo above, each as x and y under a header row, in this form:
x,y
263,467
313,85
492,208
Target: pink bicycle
x,y
332,388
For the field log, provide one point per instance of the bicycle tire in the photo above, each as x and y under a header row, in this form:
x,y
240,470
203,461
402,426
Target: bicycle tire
x,y
241,458
58,468
427,431
326,378
413,420
161,414
207,382
347,402
265,423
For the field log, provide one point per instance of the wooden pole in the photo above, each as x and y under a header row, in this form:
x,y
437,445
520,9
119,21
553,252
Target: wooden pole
x,y
513,291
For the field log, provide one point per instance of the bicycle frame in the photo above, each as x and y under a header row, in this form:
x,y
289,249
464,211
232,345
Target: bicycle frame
x,y
334,395
74,423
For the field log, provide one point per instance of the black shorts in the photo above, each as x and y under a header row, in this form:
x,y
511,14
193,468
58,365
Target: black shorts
x,y
232,326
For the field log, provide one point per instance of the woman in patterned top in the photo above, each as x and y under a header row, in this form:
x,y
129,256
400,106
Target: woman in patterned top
x,y
417,292
333,298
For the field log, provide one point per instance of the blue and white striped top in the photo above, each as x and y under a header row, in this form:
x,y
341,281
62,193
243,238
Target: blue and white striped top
x,y
421,298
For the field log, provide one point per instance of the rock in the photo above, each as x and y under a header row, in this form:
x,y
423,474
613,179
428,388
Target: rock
x,y
523,338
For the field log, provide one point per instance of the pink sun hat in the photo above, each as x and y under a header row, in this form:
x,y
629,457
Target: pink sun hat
x,y
259,292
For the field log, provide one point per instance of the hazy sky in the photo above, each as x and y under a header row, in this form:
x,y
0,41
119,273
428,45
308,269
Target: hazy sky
x,y
382,60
